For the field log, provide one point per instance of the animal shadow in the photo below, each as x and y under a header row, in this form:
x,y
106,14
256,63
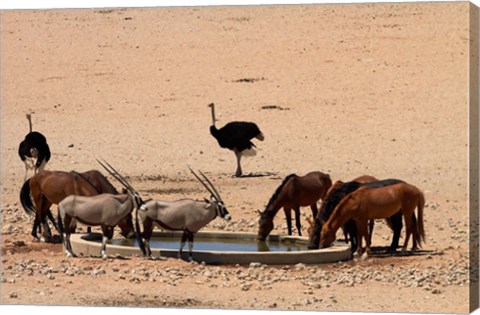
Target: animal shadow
x,y
383,252
260,174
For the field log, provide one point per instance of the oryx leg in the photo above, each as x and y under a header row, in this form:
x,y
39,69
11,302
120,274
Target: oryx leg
x,y
288,218
238,155
190,246
107,235
68,222
147,234
182,243
297,221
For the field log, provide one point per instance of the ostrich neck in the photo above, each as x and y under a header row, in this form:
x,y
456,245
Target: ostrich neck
x,y
213,116
29,122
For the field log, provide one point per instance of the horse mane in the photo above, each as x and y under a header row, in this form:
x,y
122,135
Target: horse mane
x,y
279,189
86,180
336,196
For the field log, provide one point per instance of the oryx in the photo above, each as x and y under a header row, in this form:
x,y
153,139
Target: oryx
x,y
184,215
105,210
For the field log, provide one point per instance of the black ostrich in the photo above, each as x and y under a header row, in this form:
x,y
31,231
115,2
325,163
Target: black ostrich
x,y
34,146
236,136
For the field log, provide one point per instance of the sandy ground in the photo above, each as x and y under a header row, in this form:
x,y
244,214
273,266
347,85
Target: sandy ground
x,y
344,89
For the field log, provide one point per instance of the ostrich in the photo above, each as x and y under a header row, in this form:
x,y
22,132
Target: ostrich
x,y
236,136
34,146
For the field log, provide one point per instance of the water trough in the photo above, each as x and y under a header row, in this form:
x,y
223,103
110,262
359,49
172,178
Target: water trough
x,y
220,248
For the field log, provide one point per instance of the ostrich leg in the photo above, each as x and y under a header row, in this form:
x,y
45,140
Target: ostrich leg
x,y
238,154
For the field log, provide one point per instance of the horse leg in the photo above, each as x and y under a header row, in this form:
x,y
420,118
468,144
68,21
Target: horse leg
x,y
35,227
314,210
397,224
50,217
371,224
415,232
288,218
37,200
359,251
297,221
408,229
42,210
351,230
362,232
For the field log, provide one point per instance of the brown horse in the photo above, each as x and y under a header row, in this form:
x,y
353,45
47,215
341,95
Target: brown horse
x,y
335,194
377,203
294,192
51,187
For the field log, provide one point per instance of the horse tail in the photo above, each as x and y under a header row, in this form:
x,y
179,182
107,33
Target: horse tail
x,y
421,230
138,234
25,199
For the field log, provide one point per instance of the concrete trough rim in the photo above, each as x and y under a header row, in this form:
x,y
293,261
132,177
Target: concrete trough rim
x,y
337,252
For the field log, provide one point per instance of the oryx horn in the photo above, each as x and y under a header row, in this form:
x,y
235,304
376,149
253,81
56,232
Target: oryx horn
x,y
204,185
211,185
112,171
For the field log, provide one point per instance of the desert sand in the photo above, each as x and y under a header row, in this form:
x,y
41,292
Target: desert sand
x,y
378,89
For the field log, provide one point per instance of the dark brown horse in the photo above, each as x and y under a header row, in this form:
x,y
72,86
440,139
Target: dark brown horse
x,y
335,194
51,187
294,192
368,203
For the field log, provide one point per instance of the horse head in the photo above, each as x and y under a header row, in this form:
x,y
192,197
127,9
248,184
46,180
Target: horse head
x,y
326,237
314,233
265,225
